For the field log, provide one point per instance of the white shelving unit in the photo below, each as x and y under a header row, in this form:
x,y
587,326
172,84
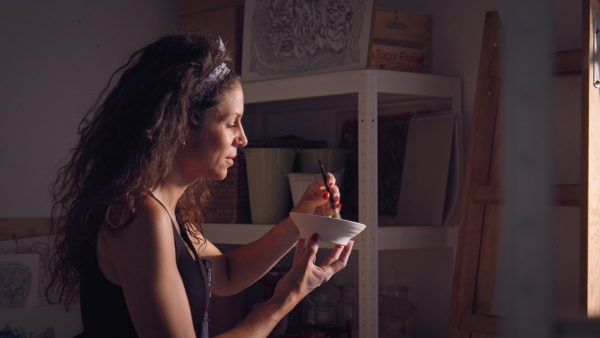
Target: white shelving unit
x,y
368,89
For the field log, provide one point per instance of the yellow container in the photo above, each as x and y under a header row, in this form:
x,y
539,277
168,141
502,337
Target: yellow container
x,y
268,186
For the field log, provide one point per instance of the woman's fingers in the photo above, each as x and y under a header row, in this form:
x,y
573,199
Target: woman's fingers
x,y
345,254
335,254
335,193
309,276
310,250
306,250
330,179
299,251
315,199
337,262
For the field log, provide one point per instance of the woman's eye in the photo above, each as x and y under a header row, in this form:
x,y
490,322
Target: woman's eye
x,y
233,123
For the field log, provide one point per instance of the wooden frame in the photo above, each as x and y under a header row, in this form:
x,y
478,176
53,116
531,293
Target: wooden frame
x,y
15,228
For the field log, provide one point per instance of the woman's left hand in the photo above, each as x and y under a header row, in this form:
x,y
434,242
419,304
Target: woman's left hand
x,y
315,199
305,276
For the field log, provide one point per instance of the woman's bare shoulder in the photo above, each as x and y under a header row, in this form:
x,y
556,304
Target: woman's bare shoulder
x,y
145,241
150,228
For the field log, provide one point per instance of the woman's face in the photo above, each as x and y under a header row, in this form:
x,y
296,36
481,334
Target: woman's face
x,y
210,152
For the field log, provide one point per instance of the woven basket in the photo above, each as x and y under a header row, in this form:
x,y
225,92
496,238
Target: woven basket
x,y
229,201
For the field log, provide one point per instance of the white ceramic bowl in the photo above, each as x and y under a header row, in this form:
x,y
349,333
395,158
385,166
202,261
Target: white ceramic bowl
x,y
336,231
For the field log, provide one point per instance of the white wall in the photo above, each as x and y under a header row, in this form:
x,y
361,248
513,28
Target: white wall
x,y
458,29
55,58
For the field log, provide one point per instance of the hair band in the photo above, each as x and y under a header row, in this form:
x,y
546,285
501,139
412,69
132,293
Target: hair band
x,y
214,78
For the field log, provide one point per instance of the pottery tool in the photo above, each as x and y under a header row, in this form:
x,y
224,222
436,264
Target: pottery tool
x,y
336,212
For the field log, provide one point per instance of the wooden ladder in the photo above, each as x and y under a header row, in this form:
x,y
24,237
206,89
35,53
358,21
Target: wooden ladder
x,y
471,312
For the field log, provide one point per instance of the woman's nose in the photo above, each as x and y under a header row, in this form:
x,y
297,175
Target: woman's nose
x,y
242,140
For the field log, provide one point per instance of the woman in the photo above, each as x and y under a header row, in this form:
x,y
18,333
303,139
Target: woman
x,y
129,204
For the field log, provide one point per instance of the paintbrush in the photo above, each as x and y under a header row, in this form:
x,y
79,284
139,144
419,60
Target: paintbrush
x,y
336,212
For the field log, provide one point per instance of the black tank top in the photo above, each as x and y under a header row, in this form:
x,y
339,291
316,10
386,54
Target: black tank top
x,y
103,308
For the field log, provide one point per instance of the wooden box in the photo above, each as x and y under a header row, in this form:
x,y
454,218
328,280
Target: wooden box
x,y
225,22
400,41
187,7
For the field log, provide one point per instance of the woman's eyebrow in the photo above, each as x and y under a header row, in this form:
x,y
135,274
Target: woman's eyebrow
x,y
225,116
236,114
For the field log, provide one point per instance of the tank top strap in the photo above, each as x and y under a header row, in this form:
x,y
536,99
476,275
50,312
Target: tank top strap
x,y
204,264
162,205
183,230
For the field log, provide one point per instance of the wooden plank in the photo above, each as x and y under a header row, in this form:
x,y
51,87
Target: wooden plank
x,y
590,178
486,272
496,69
485,324
568,62
565,195
15,228
477,172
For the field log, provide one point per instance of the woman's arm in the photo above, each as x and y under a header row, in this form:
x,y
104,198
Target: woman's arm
x,y
240,268
304,277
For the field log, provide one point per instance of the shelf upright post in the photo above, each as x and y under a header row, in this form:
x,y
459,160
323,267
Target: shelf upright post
x,y
367,200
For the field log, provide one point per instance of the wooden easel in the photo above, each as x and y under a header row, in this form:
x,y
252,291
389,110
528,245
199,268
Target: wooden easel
x,y
477,242
471,313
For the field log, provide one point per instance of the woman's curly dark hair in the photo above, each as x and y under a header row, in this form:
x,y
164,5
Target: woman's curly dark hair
x,y
127,143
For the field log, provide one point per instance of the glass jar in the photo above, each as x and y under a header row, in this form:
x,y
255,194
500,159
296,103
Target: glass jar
x,y
397,316
318,313
393,290
347,310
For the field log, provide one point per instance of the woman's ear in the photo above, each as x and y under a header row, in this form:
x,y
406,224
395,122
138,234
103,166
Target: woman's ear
x,y
184,139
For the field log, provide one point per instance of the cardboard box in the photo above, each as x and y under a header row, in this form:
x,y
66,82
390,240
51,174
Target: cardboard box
x,y
187,7
400,41
227,23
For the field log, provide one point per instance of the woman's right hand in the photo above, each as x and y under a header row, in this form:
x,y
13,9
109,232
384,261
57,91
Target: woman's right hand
x,y
305,276
315,199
